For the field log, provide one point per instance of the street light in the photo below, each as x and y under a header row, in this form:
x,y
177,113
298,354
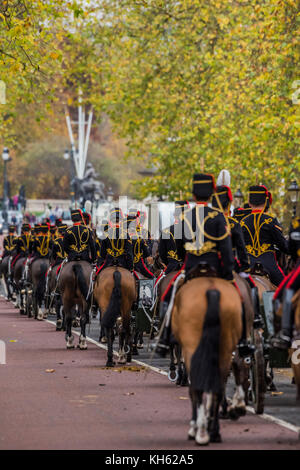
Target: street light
x,y
6,158
66,154
238,198
293,189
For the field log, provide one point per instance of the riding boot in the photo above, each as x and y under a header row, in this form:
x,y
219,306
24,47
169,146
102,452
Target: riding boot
x,y
283,339
258,319
245,348
164,341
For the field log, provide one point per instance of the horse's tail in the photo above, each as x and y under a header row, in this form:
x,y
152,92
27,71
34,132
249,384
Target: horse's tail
x,y
114,306
80,280
205,371
40,288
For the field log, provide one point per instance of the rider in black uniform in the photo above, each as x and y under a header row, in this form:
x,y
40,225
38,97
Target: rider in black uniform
x,y
78,241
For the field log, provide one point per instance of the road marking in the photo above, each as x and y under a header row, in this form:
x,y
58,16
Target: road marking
x,y
267,417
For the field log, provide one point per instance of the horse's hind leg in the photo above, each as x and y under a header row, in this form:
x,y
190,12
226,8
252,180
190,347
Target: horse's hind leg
x,y
202,437
83,321
109,335
193,423
213,426
69,336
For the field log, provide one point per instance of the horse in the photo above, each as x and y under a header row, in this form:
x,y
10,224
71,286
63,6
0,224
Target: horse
x,y
37,274
207,322
73,286
115,293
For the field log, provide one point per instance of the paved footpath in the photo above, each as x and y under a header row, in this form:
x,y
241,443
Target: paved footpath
x,y
52,398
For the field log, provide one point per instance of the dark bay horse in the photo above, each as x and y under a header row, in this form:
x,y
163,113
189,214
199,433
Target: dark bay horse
x,y
207,322
115,292
4,267
73,285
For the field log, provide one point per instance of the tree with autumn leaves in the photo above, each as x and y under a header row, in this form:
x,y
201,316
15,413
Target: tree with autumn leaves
x,y
187,84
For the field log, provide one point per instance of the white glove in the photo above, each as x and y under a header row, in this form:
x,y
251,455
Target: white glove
x,y
244,275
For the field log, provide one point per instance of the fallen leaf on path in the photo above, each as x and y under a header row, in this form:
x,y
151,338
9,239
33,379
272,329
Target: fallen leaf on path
x,y
276,393
129,393
183,398
50,370
13,340
101,385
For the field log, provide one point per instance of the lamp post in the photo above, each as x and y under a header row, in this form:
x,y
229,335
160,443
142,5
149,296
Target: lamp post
x,y
293,190
238,198
6,158
69,155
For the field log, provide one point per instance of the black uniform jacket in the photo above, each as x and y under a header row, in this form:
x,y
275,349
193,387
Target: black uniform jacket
x,y
116,248
170,250
23,242
58,253
261,233
41,245
238,245
206,238
9,245
79,243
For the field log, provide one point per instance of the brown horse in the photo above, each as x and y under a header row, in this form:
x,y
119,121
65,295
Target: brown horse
x,y
207,322
73,285
115,292
4,267
53,297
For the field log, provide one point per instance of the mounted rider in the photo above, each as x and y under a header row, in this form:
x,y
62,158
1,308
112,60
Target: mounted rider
x,y
286,290
169,249
206,242
41,243
241,257
58,253
140,248
262,232
116,248
78,242
23,241
10,242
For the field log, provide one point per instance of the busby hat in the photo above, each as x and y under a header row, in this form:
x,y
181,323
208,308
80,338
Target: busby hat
x,y
104,225
258,195
203,185
12,228
58,222
133,213
25,228
76,215
225,197
44,228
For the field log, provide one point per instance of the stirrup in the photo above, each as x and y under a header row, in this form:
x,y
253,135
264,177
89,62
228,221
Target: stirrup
x,y
258,322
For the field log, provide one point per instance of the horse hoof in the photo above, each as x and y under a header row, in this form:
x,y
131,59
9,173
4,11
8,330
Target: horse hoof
x,y
70,346
192,431
241,411
110,364
215,438
135,351
22,311
233,414
202,438
45,316
39,316
103,340
128,359
140,346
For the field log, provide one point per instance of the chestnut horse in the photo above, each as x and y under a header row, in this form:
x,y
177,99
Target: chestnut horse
x,y
207,322
73,285
115,292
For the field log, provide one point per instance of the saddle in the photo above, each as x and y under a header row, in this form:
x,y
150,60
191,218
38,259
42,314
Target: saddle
x,y
202,269
259,270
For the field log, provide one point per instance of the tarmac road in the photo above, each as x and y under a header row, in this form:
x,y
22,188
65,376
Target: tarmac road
x,y
53,398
